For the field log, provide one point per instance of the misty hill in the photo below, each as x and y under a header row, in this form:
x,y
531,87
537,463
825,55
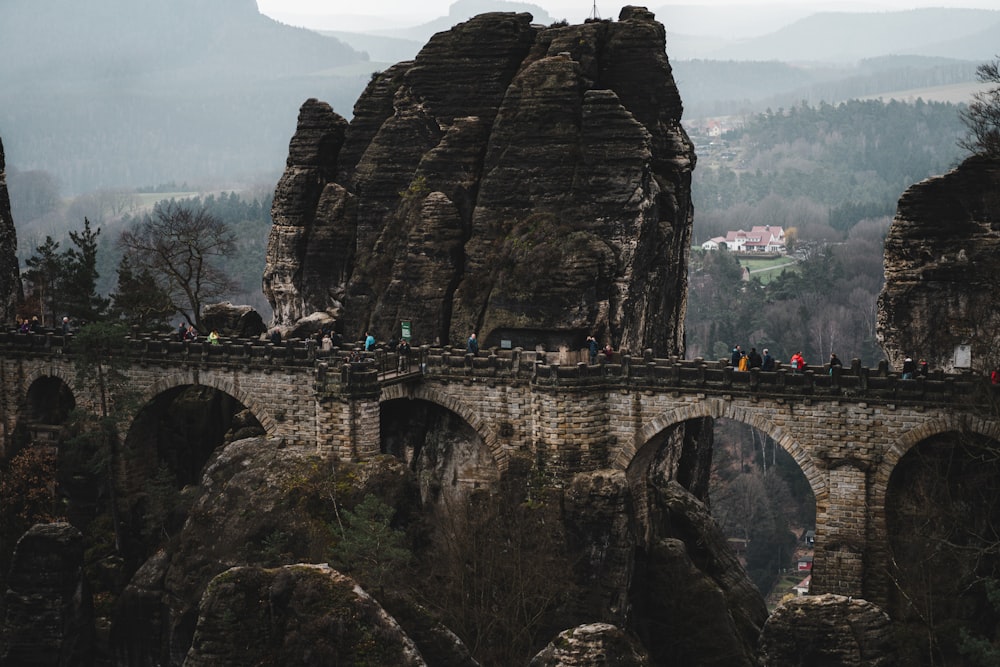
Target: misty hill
x,y
845,37
134,92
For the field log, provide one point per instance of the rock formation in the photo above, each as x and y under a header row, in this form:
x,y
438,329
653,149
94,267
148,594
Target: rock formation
x,y
592,645
511,180
827,630
49,616
942,277
10,275
230,320
295,615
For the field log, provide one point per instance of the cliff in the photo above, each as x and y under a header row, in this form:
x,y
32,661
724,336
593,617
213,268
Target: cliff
x,y
941,269
510,180
10,278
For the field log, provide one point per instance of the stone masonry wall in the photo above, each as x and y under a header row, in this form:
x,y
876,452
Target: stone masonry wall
x,y
577,418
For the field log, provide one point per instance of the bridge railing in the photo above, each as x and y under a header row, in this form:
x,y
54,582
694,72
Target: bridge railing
x,y
542,368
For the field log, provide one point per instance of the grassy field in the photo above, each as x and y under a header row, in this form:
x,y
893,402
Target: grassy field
x,y
767,269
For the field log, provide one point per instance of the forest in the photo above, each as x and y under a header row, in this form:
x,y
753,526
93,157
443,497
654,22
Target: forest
x,y
831,175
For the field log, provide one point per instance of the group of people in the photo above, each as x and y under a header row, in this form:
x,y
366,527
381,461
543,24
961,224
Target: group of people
x,y
745,361
912,369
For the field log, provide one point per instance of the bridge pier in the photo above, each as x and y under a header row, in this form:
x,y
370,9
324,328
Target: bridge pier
x,y
841,533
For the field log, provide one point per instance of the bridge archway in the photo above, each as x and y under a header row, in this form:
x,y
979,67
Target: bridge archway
x,y
722,409
938,514
44,410
447,401
222,384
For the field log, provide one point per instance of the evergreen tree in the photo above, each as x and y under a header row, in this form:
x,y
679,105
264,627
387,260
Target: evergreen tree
x,y
79,278
46,268
139,301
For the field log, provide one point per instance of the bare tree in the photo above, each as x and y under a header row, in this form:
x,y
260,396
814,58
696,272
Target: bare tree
x,y
182,247
982,116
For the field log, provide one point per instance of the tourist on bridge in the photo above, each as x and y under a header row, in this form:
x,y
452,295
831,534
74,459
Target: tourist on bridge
x,y
369,342
592,349
734,360
908,368
755,359
834,361
472,345
404,355
798,363
767,363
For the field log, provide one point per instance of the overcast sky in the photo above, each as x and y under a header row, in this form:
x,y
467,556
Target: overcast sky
x,y
362,14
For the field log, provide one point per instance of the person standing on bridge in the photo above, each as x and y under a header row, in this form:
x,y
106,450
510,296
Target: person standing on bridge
x,y
472,345
767,364
592,349
404,356
369,342
755,359
736,356
798,363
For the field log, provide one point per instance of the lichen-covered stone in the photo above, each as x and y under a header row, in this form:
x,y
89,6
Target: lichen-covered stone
x,y
294,615
941,269
510,179
10,275
592,645
827,630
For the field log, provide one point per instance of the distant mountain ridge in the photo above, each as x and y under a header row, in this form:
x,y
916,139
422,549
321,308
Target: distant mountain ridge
x,y
853,36
127,93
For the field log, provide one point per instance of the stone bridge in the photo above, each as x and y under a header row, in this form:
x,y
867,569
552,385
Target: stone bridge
x,y
847,429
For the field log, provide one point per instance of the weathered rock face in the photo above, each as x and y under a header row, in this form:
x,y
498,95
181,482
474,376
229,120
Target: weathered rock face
x,y
294,615
10,277
827,630
592,645
230,320
49,617
942,275
511,179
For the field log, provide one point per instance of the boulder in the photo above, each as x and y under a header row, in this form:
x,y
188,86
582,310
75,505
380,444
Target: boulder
x,y
230,320
820,630
512,179
592,645
49,615
941,268
294,615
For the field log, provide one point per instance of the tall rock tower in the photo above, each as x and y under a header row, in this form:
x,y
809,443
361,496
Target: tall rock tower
x,y
531,184
941,299
10,277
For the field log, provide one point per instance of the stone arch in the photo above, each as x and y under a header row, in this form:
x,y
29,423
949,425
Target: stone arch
x,y
946,422
725,409
225,385
433,395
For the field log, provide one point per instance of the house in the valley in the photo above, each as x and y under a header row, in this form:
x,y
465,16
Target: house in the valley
x,y
769,239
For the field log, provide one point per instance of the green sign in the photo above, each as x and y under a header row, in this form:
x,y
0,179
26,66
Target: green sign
x,y
406,330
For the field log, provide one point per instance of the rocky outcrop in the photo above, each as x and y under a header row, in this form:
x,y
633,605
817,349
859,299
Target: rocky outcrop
x,y
592,645
49,616
827,630
230,320
294,615
512,179
249,512
10,275
693,603
942,275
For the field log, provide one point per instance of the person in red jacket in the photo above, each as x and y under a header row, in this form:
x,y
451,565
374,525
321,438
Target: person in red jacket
x,y
798,363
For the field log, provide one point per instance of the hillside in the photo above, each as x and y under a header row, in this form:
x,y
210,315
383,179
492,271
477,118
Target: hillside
x,y
122,93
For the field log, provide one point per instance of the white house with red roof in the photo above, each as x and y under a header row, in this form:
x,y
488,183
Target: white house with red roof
x,y
760,239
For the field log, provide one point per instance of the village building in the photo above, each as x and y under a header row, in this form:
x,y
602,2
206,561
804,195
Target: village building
x,y
763,239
